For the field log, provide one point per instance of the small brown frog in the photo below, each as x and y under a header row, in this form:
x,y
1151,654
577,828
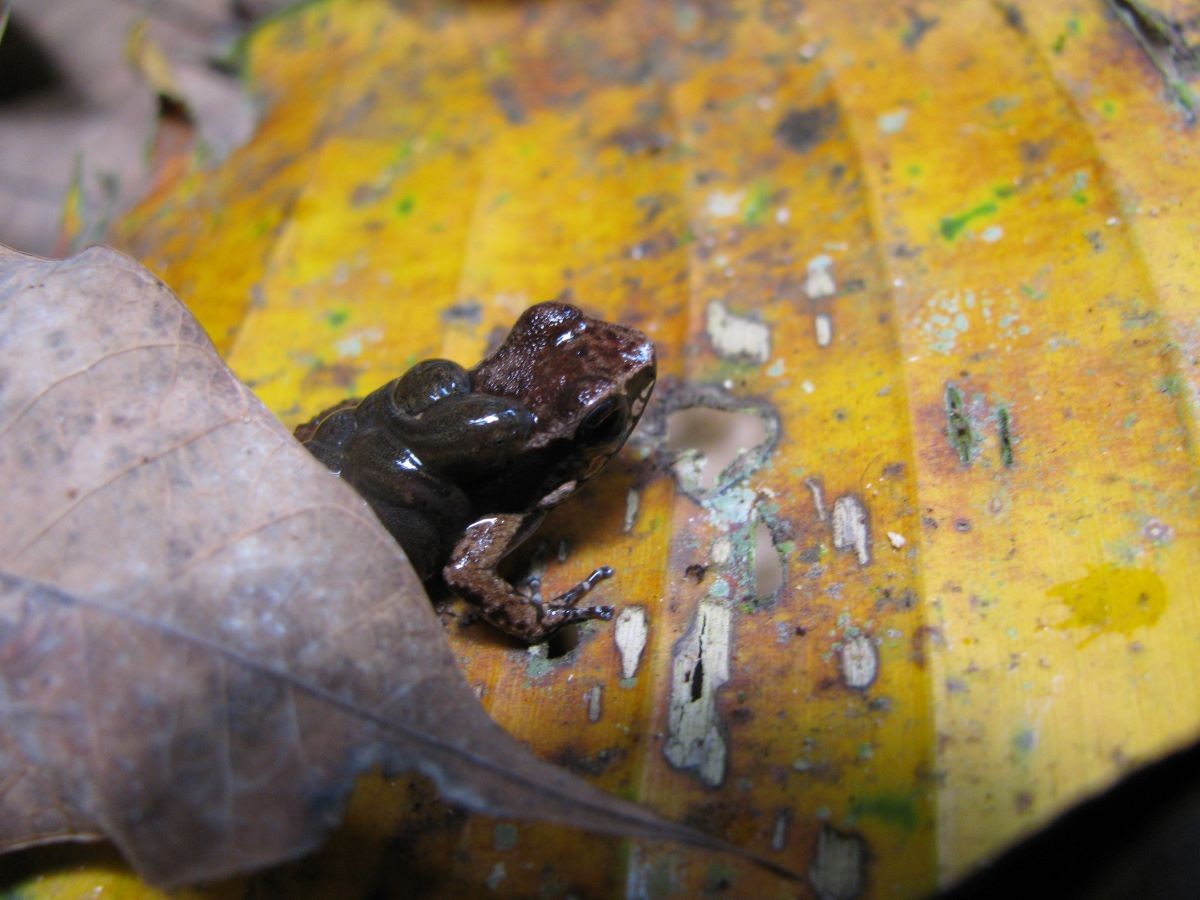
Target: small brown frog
x,y
461,466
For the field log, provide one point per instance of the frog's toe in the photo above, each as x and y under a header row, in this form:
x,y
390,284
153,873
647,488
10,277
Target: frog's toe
x,y
530,588
568,599
578,614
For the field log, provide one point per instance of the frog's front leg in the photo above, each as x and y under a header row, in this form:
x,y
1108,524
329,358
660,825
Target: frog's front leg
x,y
471,573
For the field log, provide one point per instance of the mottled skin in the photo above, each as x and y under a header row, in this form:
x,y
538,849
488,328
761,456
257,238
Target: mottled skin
x,y
461,466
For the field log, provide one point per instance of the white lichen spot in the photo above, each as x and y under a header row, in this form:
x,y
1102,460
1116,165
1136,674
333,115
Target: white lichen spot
x,y
594,700
783,215
807,386
722,550
690,465
1158,532
779,833
724,204
818,496
737,336
838,870
891,122
352,344
896,539
943,318
992,234
633,500
850,527
733,506
497,876
823,329
859,662
700,668
630,635
776,369
818,279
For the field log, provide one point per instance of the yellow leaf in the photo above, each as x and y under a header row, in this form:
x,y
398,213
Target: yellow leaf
x,y
944,257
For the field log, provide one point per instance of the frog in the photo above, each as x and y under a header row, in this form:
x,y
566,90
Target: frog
x,y
461,466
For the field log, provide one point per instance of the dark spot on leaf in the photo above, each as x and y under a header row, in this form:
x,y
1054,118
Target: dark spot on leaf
x,y
468,312
504,93
801,129
638,139
918,27
697,680
961,435
1013,17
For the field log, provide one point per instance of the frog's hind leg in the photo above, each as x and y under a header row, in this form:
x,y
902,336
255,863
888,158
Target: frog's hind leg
x,y
471,573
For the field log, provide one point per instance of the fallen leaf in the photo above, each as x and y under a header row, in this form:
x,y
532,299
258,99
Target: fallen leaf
x,y
204,637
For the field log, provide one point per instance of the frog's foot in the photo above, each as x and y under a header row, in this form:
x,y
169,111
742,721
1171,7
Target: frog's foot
x,y
516,609
568,599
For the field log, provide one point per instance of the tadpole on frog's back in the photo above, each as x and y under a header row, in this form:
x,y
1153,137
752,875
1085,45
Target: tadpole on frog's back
x,y
462,466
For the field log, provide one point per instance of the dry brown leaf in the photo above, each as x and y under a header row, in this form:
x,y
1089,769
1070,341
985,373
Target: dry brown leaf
x,y
204,636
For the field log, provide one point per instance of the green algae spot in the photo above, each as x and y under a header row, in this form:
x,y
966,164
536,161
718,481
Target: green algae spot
x,y
1072,30
1111,599
757,203
538,664
1172,385
899,810
1004,426
717,878
404,206
959,432
952,226
337,317
504,837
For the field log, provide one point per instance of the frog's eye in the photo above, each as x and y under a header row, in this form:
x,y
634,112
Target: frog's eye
x,y
604,424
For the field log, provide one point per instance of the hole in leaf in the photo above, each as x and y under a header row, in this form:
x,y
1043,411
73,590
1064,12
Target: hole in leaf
x,y
768,567
562,641
717,436
698,680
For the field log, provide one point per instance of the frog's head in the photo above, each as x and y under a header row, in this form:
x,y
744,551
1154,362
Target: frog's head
x,y
586,381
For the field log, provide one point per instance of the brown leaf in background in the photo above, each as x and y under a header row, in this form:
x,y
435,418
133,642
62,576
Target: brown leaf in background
x,y
204,636
79,105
